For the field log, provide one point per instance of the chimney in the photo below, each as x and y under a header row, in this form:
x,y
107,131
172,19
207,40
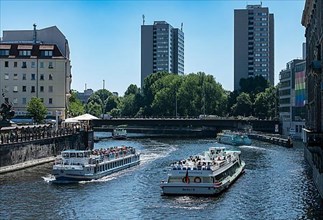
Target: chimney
x,y
35,34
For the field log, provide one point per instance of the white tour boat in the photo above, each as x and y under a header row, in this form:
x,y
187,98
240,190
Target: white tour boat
x,y
82,165
207,174
119,133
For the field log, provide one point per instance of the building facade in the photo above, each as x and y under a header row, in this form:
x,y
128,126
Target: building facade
x,y
253,43
313,134
35,63
162,49
292,96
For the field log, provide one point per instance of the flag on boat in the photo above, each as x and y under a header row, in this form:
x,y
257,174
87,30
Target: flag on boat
x,y
187,179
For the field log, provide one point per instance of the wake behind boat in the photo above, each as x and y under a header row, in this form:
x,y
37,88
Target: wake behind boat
x,y
206,174
83,165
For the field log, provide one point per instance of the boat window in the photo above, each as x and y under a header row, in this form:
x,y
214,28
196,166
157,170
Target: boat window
x,y
66,155
72,155
174,179
79,154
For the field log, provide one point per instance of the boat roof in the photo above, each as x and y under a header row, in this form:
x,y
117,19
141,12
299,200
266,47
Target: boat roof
x,y
217,148
73,151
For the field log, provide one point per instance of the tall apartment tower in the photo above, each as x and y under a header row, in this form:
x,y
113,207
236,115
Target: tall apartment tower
x,y
253,43
35,63
162,49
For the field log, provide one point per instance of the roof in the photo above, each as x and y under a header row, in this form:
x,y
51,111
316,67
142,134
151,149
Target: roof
x,y
85,117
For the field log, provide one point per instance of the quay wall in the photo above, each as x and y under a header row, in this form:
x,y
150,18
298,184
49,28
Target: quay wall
x,y
314,157
19,146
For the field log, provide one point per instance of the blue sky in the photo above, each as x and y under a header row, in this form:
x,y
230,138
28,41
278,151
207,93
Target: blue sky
x,y
104,36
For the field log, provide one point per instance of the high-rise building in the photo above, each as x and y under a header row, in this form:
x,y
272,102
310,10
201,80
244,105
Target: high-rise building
x,y
35,63
253,43
162,49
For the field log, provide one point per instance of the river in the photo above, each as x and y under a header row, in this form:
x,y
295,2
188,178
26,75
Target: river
x,y
276,185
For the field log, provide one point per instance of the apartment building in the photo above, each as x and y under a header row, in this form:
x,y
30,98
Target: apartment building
x,y
162,49
292,96
35,63
253,43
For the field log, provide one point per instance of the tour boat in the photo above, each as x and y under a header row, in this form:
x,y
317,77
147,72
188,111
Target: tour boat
x,y
233,138
119,133
207,174
83,165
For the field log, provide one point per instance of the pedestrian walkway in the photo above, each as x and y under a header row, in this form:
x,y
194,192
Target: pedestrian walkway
x,y
20,166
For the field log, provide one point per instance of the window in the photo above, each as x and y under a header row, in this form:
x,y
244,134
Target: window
x,y
47,53
33,64
33,76
6,63
41,88
33,89
15,64
50,76
15,88
6,89
24,53
24,65
6,76
42,100
41,76
50,88
24,88
24,76
41,64
15,76
24,101
4,52
50,65
50,101
15,101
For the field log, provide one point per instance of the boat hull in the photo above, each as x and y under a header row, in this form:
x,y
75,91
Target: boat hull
x,y
73,176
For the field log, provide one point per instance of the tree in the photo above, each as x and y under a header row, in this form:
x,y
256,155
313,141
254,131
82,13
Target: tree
x,y
253,85
265,105
36,109
75,106
243,106
98,102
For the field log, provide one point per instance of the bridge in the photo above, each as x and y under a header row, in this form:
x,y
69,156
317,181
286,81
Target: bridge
x,y
201,126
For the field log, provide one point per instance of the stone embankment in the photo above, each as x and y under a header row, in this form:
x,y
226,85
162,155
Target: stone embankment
x,y
22,147
273,139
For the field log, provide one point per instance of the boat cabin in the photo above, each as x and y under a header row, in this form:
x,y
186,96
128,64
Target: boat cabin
x,y
66,154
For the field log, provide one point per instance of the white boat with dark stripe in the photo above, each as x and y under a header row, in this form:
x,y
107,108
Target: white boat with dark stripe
x,y
84,165
206,174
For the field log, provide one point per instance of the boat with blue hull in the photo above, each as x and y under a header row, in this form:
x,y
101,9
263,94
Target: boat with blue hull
x,y
207,174
233,138
84,165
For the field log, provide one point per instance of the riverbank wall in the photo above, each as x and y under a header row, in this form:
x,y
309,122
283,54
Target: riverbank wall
x,y
25,147
314,156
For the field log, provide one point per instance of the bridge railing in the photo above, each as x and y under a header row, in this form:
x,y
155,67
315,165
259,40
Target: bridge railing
x,y
19,134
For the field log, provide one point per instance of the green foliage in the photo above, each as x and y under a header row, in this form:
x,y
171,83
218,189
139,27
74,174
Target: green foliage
x,y
101,102
115,112
75,106
253,85
36,109
265,105
94,108
165,94
243,106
